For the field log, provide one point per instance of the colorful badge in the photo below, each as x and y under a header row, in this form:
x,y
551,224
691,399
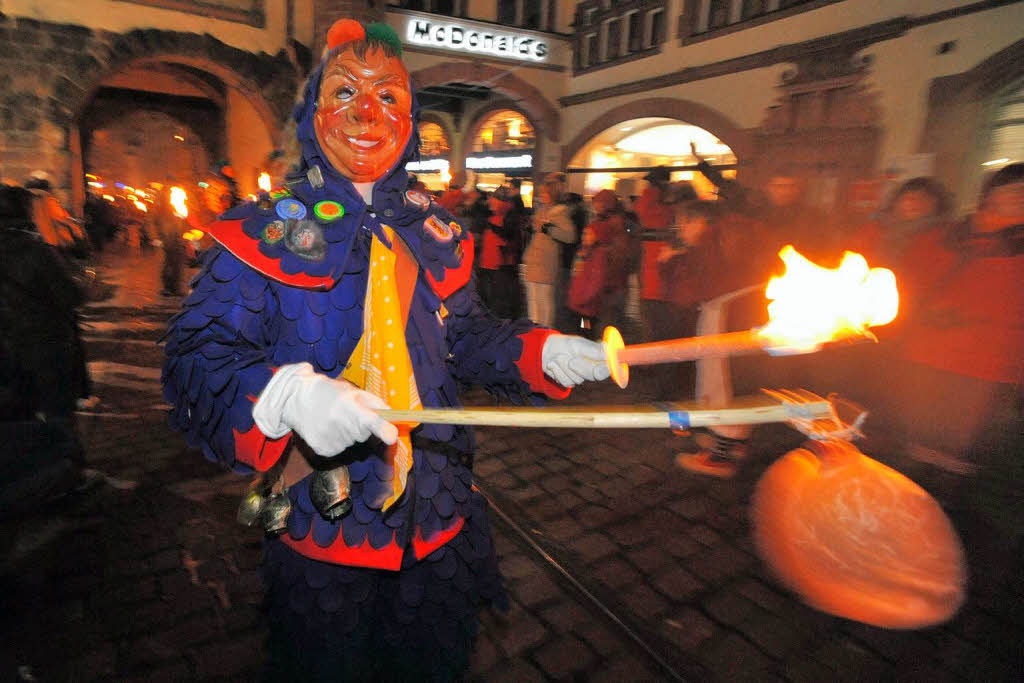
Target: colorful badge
x,y
417,198
328,211
305,239
290,208
438,229
280,193
273,232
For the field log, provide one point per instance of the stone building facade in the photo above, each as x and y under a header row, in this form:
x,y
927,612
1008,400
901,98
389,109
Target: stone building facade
x,y
842,90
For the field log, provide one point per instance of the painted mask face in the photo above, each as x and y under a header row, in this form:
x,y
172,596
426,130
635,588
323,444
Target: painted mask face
x,y
363,118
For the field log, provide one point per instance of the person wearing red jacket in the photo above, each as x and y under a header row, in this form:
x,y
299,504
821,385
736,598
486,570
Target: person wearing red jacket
x,y
964,340
601,267
654,210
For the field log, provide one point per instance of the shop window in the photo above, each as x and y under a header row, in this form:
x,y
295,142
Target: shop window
x,y
614,39
506,13
446,7
754,8
718,13
636,32
623,30
708,18
504,131
657,27
534,14
590,56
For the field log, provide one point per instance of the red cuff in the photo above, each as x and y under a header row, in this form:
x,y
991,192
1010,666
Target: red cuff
x,y
254,448
532,370
257,451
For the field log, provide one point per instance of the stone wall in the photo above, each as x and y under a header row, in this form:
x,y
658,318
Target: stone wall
x,y
49,72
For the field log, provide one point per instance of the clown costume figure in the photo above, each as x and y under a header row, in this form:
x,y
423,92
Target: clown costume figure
x,y
336,296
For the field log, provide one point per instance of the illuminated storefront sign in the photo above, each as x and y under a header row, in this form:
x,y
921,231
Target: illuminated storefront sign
x,y
427,165
467,38
487,163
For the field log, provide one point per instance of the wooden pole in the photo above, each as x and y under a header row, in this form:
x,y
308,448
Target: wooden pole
x,y
610,418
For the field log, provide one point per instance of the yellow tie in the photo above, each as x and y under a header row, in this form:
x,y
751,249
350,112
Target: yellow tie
x,y
380,363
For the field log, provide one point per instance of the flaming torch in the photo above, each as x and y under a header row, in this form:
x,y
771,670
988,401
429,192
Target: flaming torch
x,y
179,199
264,181
811,306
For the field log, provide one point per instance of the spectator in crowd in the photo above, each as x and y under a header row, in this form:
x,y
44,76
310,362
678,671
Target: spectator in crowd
x,y
169,229
56,226
42,363
552,228
654,209
499,256
599,274
452,198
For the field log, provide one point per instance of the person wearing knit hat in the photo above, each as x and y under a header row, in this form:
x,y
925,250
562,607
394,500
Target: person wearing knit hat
x,y
343,293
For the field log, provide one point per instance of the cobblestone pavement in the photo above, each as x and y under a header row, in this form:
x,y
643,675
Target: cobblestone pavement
x,y
149,578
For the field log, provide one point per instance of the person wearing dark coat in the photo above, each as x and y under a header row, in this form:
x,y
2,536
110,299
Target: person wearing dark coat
x,y
42,363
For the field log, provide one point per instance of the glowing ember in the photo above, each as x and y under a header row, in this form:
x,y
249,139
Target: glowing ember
x,y
813,305
264,181
140,206
178,199
193,235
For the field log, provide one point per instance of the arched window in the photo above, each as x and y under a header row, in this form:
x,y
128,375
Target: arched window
x,y
620,156
504,131
433,141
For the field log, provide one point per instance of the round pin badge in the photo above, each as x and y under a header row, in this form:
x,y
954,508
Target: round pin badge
x,y
305,239
417,198
290,208
273,232
438,229
328,211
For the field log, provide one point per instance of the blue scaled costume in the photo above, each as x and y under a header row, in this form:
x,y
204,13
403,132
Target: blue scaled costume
x,y
371,596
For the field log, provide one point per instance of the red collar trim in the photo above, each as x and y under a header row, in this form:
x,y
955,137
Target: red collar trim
x,y
229,234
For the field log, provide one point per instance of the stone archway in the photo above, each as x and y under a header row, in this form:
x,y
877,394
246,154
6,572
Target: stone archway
x,y
523,96
481,114
62,91
694,113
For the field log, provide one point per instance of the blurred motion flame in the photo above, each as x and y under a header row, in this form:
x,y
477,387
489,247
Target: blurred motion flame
x,y
178,202
264,181
812,305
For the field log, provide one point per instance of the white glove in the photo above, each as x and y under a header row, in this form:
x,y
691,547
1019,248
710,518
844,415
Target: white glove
x,y
571,360
329,414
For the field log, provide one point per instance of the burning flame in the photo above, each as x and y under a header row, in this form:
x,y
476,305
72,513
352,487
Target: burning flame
x,y
264,181
178,199
813,305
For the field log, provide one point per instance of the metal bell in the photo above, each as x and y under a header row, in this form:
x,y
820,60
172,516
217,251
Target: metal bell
x,y
329,492
252,503
274,514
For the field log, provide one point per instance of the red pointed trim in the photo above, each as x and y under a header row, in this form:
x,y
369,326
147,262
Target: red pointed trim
x,y
363,555
423,548
257,451
530,367
455,278
247,249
